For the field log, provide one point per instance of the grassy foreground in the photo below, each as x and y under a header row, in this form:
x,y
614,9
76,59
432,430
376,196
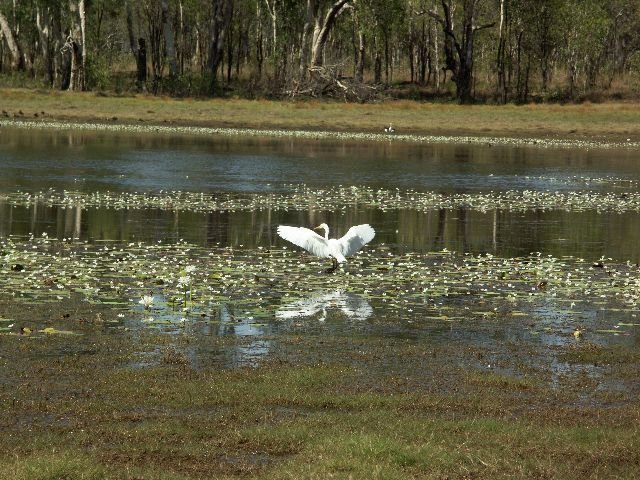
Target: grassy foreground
x,y
133,405
614,121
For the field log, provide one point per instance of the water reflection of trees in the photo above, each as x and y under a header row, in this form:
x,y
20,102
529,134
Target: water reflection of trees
x,y
585,234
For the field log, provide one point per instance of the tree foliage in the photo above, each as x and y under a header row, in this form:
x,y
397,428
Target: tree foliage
x,y
502,50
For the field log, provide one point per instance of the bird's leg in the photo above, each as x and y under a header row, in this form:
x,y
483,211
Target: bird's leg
x,y
334,266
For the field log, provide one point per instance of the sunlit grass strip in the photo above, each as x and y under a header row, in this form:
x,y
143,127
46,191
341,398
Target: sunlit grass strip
x,y
317,135
302,197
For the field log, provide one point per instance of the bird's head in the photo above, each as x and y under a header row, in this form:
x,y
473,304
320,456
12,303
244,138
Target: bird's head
x,y
323,226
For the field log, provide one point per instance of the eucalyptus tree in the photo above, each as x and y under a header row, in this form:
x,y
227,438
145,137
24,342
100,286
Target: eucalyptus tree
x,y
221,11
17,56
48,39
422,41
501,85
459,42
544,20
385,20
74,48
137,44
585,27
623,40
321,17
168,35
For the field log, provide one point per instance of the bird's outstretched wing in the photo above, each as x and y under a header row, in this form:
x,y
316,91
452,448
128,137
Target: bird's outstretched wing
x,y
305,238
356,238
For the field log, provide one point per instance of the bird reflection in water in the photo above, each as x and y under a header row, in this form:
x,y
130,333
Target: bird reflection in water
x,y
349,304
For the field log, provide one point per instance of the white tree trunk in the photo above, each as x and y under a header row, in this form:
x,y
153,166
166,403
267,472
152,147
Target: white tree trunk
x,y
274,23
304,44
321,31
17,58
83,46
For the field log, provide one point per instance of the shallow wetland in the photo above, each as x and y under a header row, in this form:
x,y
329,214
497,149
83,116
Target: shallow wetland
x,y
152,325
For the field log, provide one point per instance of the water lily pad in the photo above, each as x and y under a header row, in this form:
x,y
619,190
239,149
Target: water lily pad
x,y
55,331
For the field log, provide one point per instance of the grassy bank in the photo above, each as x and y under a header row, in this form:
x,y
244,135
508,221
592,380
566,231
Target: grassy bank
x,y
606,121
102,412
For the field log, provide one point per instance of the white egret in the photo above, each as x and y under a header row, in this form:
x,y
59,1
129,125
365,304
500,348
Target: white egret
x,y
335,248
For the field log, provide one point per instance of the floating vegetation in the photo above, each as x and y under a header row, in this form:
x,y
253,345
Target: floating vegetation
x,y
316,135
175,284
303,197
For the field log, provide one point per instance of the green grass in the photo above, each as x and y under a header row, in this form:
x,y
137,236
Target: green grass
x,y
64,464
605,121
103,416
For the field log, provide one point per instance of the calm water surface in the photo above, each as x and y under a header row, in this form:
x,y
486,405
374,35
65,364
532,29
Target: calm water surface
x,y
88,162
85,161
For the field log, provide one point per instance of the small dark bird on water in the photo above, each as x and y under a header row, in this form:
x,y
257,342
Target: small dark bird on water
x,y
389,129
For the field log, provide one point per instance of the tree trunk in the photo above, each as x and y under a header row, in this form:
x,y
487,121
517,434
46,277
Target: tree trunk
x,y
321,32
458,50
259,43
130,31
360,56
424,54
17,57
82,76
501,89
220,18
141,65
138,50
74,46
436,56
230,47
155,46
44,27
385,35
305,46
271,8
169,38
377,63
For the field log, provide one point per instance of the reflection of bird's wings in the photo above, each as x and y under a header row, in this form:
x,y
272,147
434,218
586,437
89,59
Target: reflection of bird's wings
x,y
306,307
305,238
352,305
356,238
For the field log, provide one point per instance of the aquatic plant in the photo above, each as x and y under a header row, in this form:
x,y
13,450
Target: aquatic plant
x,y
442,286
303,197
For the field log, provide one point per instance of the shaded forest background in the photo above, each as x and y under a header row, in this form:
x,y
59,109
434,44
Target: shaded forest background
x,y
358,50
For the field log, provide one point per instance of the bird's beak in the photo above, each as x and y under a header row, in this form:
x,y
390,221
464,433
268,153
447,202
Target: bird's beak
x,y
317,228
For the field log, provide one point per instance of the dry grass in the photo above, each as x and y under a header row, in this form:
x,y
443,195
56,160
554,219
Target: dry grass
x,y
602,121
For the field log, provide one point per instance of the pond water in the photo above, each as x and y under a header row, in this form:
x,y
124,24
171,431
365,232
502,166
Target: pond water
x,y
475,272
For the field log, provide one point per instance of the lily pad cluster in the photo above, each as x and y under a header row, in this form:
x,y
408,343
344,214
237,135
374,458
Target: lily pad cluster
x,y
181,282
304,197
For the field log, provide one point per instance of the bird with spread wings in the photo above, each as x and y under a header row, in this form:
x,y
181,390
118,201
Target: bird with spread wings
x,y
335,248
